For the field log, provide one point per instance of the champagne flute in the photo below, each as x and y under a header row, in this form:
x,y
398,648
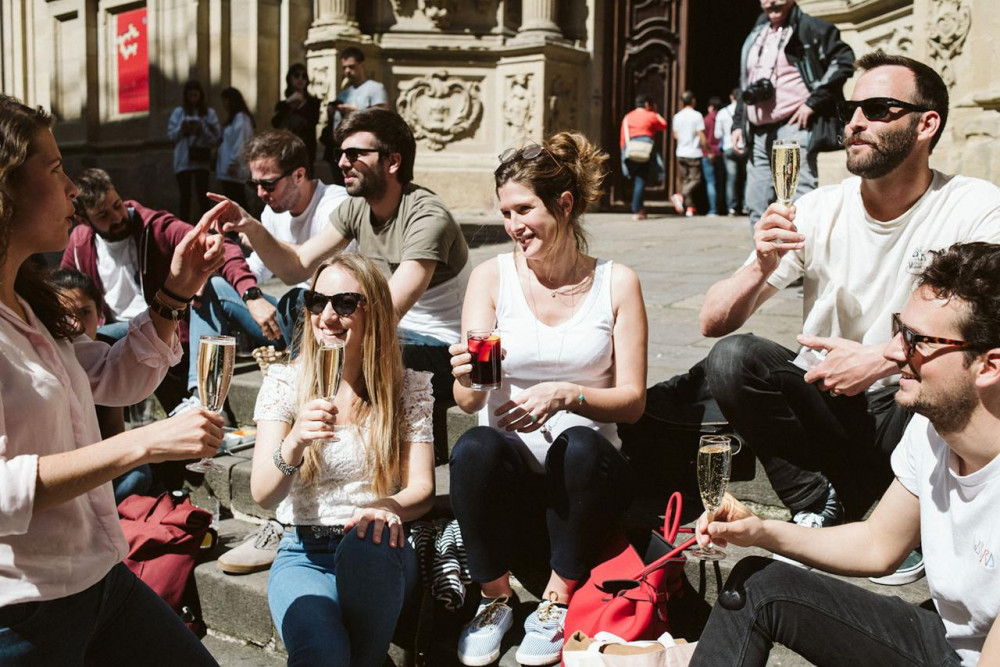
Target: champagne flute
x,y
216,359
714,467
785,157
329,368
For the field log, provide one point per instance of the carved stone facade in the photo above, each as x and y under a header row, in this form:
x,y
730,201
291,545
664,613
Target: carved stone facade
x,y
472,77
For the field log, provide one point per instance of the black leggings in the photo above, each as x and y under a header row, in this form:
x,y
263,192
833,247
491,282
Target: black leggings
x,y
192,181
586,488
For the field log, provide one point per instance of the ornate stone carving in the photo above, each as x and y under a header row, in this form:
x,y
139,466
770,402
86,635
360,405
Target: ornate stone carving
x,y
518,108
438,12
441,108
561,107
947,29
898,40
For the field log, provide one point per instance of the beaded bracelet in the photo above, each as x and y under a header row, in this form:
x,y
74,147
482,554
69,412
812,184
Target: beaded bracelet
x,y
581,399
280,464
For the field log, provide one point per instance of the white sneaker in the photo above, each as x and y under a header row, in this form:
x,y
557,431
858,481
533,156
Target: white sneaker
x,y
543,635
479,643
256,553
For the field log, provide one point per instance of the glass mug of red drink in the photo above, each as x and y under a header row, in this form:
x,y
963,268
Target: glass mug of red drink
x,y
484,347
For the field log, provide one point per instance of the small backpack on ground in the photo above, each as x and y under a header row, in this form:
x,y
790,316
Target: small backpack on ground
x,y
165,536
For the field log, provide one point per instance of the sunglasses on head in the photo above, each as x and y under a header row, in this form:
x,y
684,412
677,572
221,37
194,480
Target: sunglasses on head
x,y
874,108
911,338
344,304
354,154
529,152
269,184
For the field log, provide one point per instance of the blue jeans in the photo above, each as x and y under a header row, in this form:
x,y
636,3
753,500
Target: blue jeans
x,y
135,481
113,332
640,174
221,310
736,176
117,621
825,620
324,619
708,171
760,185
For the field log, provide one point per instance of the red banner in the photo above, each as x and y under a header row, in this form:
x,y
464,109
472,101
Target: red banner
x,y
132,45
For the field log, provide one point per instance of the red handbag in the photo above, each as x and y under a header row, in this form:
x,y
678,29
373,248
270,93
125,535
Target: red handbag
x,y
627,593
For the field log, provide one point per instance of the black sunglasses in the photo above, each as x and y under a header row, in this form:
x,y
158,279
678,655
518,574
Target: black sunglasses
x,y
354,154
529,152
344,304
874,108
269,184
911,337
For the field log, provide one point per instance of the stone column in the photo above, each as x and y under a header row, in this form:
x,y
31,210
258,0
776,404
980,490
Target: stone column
x,y
336,17
538,21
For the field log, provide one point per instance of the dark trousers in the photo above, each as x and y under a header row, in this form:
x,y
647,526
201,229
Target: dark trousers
x,y
583,494
804,437
826,620
690,178
192,181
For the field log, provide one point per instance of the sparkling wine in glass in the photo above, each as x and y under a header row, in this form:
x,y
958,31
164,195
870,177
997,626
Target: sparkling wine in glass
x,y
215,362
715,457
785,156
329,368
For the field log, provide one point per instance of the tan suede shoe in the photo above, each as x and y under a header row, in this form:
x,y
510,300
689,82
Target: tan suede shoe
x,y
256,553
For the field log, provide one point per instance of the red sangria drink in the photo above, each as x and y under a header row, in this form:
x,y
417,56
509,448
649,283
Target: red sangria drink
x,y
484,347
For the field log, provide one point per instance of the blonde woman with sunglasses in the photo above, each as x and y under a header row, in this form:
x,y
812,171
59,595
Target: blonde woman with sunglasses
x,y
344,473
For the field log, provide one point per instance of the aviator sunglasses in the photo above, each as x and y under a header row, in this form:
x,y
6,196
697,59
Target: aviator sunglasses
x,y
344,304
911,338
529,152
269,184
874,108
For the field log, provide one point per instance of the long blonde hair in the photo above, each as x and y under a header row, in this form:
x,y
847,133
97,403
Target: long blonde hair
x,y
380,397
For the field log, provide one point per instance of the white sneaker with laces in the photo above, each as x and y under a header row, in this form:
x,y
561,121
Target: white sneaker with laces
x,y
543,635
256,553
479,643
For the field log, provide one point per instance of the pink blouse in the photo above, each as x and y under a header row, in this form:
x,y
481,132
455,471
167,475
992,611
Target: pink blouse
x,y
47,394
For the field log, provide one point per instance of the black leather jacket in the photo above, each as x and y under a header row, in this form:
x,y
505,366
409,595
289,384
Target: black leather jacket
x,y
823,59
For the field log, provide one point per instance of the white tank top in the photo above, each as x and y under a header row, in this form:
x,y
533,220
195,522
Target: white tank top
x,y
579,351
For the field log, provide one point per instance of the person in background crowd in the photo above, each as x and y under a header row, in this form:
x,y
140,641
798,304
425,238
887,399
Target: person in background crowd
x,y
65,596
946,346
83,301
547,449
641,124
733,156
299,111
345,472
689,131
361,92
710,160
824,428
237,129
194,129
792,72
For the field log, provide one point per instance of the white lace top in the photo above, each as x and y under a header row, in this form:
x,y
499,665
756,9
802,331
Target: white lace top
x,y
341,485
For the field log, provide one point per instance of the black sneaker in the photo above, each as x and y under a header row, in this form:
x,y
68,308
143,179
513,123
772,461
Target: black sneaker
x,y
823,514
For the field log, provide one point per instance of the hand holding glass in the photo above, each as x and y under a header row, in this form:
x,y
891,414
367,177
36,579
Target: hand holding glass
x,y
714,468
329,368
484,348
216,359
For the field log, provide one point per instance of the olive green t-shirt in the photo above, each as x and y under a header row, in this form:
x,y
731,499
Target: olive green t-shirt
x,y
422,228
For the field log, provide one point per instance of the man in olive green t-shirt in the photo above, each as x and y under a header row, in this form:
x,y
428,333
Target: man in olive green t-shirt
x,y
402,226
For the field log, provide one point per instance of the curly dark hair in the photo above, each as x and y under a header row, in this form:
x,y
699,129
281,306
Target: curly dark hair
x,y
970,272
567,162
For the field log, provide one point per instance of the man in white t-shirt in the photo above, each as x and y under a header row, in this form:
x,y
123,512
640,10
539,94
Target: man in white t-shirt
x,y
733,156
689,131
824,430
946,348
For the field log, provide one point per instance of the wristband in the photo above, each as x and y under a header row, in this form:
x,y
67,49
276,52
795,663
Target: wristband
x,y
171,295
165,311
280,464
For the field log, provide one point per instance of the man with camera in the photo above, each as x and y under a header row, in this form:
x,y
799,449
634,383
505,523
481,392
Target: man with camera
x,y
793,68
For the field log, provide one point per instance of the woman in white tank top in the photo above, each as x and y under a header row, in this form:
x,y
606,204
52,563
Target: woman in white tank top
x,y
546,454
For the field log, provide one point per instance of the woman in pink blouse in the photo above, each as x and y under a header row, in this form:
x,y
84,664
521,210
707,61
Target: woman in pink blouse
x,y
65,596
